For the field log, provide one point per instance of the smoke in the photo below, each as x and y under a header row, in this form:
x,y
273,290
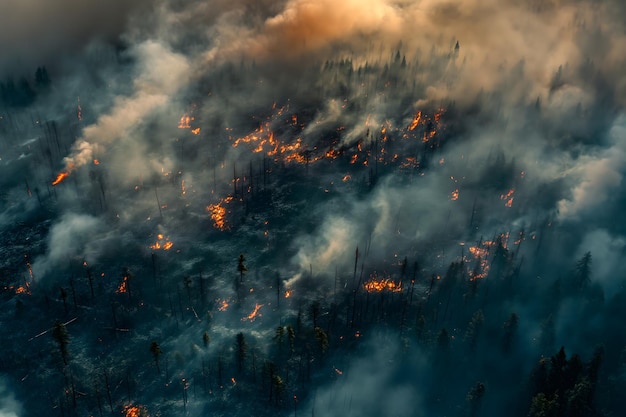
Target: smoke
x,y
9,406
161,74
38,32
517,140
380,380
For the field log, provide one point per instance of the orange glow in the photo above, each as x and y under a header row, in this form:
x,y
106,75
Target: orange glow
x,y
60,177
222,305
162,243
23,289
218,213
195,131
417,119
254,314
185,121
123,287
288,293
383,284
346,178
454,195
135,411
508,198
96,162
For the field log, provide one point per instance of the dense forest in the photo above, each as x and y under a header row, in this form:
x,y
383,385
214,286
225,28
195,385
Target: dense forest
x,y
347,218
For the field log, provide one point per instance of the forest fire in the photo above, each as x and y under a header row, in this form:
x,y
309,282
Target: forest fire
x,y
508,198
380,285
454,195
123,287
135,411
62,175
162,243
288,293
254,314
185,121
23,289
222,305
218,213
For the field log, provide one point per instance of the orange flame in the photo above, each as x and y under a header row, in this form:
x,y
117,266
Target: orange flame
x,y
123,287
134,411
218,213
254,314
508,198
383,284
62,175
288,293
184,122
454,195
223,305
162,243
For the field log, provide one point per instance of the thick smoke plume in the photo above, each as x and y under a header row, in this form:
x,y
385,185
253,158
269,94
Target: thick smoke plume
x,y
235,173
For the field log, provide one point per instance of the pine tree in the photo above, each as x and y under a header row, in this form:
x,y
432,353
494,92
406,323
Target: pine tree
x,y
60,334
156,352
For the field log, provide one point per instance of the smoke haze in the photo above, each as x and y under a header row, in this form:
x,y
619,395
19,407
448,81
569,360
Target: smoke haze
x,y
472,152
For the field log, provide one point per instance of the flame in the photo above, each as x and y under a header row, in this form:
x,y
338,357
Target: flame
x,y
508,198
254,314
454,195
218,213
23,289
134,411
383,284
417,119
62,175
185,121
162,243
288,293
223,305
123,287
96,162
346,178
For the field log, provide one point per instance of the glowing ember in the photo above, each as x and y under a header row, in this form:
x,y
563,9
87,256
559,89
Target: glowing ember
x,y
288,293
162,243
454,195
417,119
384,284
218,213
346,178
195,131
222,305
60,177
123,287
23,289
96,162
135,411
254,314
508,198
184,122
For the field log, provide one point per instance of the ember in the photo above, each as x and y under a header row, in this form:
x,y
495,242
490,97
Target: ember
x,y
384,284
135,411
254,314
218,213
162,243
60,177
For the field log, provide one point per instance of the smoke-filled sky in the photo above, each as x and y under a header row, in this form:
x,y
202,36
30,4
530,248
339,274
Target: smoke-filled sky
x,y
463,121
